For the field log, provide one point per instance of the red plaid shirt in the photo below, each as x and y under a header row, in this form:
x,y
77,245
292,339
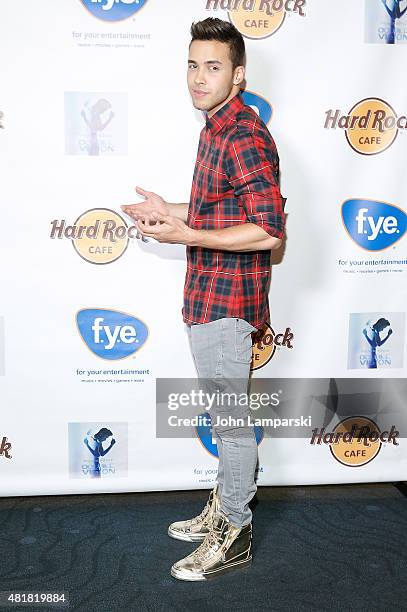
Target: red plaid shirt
x,y
235,181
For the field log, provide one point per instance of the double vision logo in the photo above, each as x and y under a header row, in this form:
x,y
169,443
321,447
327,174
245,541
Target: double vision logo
x,y
99,235
265,343
258,18
111,334
113,10
371,126
355,441
373,225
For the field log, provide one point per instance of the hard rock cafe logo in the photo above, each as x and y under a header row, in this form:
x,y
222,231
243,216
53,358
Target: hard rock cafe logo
x,y
355,441
99,235
265,343
5,448
371,126
258,18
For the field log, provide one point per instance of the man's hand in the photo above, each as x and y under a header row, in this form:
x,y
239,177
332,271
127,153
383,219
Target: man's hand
x,y
167,229
143,210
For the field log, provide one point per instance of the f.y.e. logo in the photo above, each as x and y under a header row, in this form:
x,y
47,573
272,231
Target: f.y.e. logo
x,y
113,10
111,334
205,434
261,104
373,225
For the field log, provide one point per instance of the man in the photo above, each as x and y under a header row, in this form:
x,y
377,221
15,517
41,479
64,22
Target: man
x,y
234,219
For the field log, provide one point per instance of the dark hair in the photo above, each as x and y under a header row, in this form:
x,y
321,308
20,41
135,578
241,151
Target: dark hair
x,y
102,434
213,28
381,324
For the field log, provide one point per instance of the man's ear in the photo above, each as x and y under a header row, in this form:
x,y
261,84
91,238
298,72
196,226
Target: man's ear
x,y
239,75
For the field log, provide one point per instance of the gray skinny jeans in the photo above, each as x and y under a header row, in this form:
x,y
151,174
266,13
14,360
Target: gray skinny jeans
x,y
222,353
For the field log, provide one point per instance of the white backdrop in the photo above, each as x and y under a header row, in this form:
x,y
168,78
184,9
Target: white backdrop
x,y
91,107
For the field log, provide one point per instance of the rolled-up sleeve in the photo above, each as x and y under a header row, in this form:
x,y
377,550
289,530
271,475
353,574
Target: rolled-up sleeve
x,y
251,164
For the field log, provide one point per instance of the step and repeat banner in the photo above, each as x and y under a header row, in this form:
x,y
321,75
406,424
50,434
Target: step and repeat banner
x,y
94,102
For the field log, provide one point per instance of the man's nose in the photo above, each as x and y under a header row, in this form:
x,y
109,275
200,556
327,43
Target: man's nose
x,y
199,77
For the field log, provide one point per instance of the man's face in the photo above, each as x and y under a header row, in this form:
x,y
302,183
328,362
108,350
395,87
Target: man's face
x,y
211,76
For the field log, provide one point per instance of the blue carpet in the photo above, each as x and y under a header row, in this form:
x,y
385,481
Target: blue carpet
x,y
327,548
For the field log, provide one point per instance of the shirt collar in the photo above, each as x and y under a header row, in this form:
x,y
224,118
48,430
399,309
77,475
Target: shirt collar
x,y
226,112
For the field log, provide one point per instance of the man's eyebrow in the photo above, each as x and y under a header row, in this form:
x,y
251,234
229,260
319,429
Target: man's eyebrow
x,y
191,61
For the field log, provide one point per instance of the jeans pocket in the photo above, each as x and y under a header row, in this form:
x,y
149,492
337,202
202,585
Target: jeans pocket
x,y
243,340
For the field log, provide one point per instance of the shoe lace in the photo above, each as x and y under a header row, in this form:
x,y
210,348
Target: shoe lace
x,y
211,541
200,517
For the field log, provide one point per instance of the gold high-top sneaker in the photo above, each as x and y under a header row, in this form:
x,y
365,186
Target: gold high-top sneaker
x,y
226,547
195,529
